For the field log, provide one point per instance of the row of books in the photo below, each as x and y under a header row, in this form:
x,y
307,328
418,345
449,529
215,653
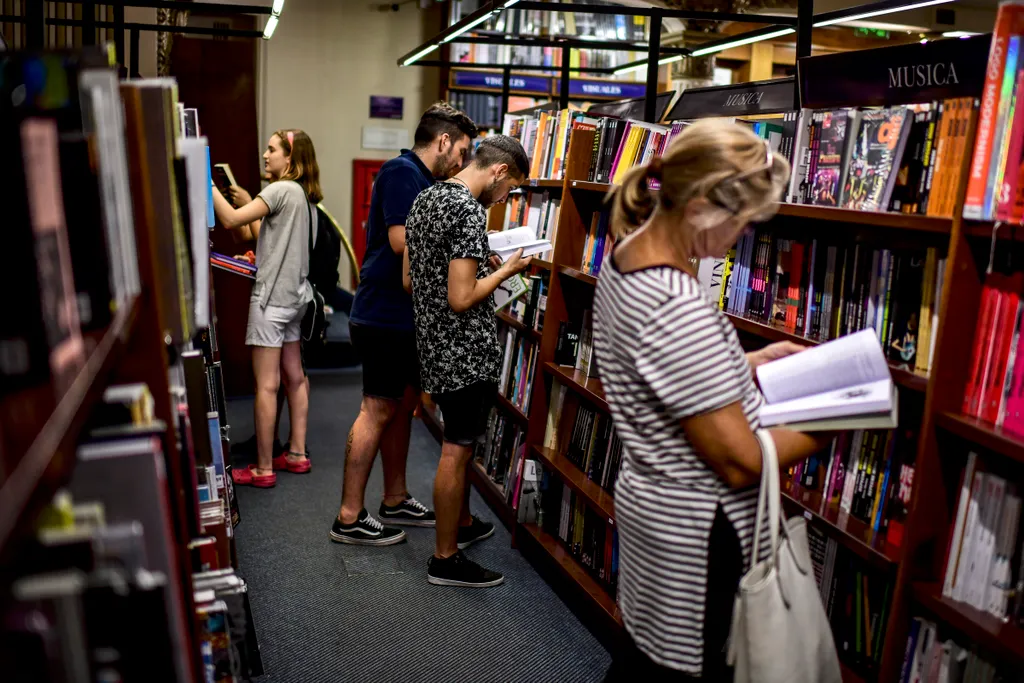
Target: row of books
x,y
857,600
926,659
867,474
995,385
529,309
536,210
823,290
232,264
598,242
887,159
545,137
594,447
983,544
585,533
519,364
995,191
484,109
501,449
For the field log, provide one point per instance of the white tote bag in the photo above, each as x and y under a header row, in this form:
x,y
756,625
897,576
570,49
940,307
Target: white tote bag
x,y
780,633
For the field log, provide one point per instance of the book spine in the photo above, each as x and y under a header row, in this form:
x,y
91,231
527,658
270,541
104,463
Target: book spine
x,y
1000,138
985,135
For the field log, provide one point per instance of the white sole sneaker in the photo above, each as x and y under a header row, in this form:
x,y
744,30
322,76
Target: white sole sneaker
x,y
391,540
466,544
463,584
402,521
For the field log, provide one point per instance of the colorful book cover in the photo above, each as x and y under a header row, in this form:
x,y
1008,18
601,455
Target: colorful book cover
x,y
1000,139
829,170
876,152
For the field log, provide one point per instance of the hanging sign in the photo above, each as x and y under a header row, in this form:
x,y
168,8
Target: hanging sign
x,y
585,89
742,99
538,85
633,108
902,74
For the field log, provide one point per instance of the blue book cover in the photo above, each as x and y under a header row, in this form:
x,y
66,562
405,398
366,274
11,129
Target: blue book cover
x,y
210,219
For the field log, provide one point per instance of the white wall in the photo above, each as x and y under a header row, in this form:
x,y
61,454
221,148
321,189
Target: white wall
x,y
318,71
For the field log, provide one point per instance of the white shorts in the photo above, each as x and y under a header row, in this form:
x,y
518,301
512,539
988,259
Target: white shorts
x,y
273,326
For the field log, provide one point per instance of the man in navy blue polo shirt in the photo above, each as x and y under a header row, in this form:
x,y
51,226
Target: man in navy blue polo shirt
x,y
383,334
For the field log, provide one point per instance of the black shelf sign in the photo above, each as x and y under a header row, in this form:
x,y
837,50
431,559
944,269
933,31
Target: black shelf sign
x,y
743,99
633,108
902,74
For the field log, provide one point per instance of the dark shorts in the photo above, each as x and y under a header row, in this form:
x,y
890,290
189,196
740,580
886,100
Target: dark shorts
x,y
465,411
390,363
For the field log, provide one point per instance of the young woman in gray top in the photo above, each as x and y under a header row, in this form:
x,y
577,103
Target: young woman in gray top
x,y
280,219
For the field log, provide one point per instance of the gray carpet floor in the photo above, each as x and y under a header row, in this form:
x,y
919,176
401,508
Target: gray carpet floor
x,y
339,614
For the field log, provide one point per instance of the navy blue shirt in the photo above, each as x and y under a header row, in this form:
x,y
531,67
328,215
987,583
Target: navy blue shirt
x,y
380,299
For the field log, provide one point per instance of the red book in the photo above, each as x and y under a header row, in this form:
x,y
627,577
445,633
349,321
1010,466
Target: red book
x,y
992,333
796,262
1013,411
1008,23
1001,349
972,391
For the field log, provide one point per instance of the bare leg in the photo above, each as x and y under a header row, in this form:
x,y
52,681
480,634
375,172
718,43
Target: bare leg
x,y
266,366
465,518
297,385
449,490
364,440
394,449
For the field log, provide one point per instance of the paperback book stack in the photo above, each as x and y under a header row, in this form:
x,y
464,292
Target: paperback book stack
x,y
535,210
500,449
518,367
583,532
927,658
529,309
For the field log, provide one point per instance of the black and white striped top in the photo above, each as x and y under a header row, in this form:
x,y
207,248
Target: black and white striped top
x,y
666,353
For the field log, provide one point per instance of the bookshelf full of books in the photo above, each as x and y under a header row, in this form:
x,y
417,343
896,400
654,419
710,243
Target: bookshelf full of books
x,y
117,508
915,531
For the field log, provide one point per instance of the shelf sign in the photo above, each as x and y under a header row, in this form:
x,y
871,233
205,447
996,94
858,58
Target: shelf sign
x,y
902,74
584,89
742,99
539,85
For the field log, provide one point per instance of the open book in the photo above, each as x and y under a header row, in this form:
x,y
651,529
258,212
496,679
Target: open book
x,y
844,384
506,242
224,178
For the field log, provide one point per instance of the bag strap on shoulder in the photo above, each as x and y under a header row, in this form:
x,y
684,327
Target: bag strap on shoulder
x,y
767,497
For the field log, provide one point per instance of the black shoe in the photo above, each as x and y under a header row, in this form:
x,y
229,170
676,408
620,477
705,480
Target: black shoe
x,y
477,531
410,512
366,531
458,570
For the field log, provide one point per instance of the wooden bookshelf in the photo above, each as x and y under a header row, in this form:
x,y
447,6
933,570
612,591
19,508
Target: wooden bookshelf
x,y
542,183
587,186
984,434
850,532
48,462
577,274
530,333
513,411
1004,640
901,374
878,219
492,493
588,387
596,497
540,263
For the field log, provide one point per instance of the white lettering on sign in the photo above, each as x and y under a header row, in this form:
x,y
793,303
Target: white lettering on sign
x,y
921,75
741,99
600,89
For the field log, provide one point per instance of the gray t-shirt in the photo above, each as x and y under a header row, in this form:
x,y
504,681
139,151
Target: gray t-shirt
x,y
282,250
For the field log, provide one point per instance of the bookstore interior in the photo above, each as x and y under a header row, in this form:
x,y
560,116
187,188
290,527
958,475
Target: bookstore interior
x,y
892,254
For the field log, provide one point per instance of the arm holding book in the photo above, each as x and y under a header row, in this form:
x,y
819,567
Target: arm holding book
x,y
244,221
466,291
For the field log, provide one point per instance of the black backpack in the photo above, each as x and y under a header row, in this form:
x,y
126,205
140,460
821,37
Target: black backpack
x,y
323,262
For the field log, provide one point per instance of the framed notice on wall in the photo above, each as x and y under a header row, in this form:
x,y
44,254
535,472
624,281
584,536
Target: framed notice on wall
x,y
384,107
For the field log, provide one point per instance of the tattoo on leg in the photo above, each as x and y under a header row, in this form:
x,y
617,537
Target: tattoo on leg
x,y
348,448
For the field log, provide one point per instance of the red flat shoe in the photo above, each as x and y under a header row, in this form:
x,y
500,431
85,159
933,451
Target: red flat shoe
x,y
247,477
282,463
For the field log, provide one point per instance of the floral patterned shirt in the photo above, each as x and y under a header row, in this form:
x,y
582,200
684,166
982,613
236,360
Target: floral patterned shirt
x,y
446,223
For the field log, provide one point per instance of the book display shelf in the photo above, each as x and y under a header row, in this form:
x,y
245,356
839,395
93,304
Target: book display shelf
x,y
117,506
910,562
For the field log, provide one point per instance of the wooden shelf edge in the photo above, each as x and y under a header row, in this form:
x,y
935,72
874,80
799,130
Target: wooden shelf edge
x,y
577,274
983,433
1004,640
491,493
873,218
904,377
503,316
59,434
575,572
588,186
541,263
542,183
884,557
589,388
512,410
596,497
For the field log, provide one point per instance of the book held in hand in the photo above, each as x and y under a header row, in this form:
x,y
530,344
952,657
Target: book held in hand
x,y
224,178
844,384
507,242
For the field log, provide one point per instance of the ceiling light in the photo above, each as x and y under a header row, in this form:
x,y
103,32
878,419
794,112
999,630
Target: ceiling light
x,y
424,51
278,6
268,30
959,34
509,4
742,41
878,12
630,69
475,22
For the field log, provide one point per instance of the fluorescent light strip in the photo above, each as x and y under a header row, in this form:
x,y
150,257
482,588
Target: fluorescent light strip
x,y
743,41
268,30
877,13
477,21
278,6
509,4
643,66
424,51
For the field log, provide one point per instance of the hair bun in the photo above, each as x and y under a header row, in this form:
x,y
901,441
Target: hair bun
x,y
654,169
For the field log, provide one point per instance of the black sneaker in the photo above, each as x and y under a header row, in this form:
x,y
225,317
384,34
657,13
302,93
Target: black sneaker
x,y
458,570
477,531
366,531
410,512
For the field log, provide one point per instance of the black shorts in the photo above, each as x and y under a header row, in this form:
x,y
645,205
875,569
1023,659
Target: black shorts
x,y
390,363
465,411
